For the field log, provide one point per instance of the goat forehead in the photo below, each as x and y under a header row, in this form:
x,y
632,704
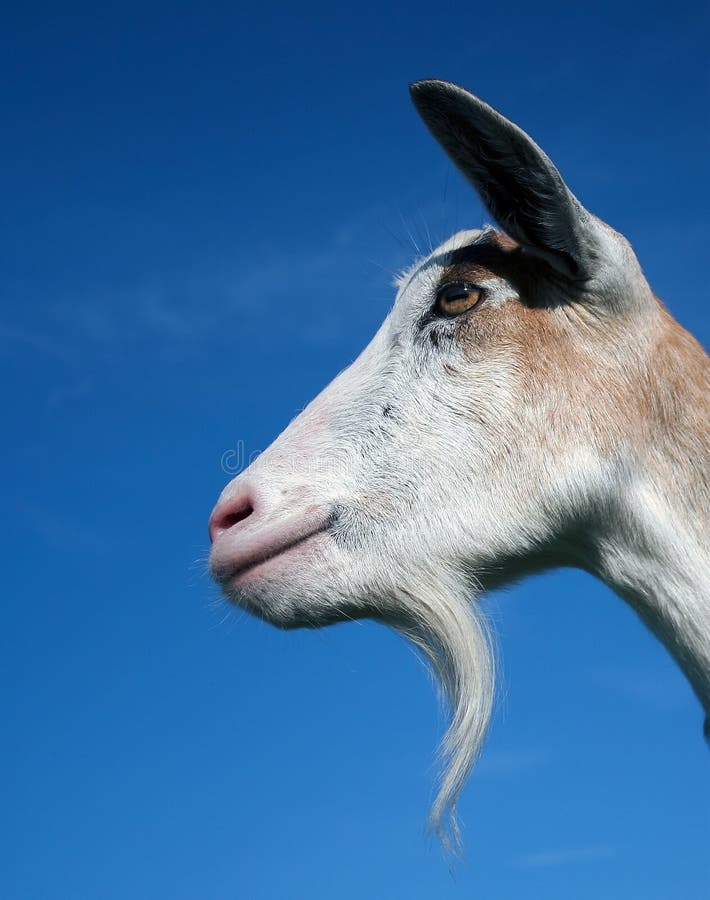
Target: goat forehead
x,y
440,256
463,239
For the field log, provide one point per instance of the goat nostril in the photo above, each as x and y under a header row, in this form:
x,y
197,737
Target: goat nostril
x,y
231,518
228,515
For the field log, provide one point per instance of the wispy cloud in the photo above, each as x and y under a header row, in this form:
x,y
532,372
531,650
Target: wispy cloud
x,y
275,289
564,856
63,533
22,340
661,687
508,763
294,290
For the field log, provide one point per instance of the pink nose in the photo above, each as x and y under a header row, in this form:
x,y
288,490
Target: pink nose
x,y
230,512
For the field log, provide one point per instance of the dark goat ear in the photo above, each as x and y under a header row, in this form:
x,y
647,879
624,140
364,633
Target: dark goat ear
x,y
516,181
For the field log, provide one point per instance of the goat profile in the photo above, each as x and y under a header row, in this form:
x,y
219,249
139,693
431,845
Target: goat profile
x,y
527,403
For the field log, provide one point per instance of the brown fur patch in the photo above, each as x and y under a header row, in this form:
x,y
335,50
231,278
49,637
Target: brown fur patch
x,y
634,385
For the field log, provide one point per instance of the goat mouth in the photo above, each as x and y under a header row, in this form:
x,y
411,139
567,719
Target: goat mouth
x,y
236,554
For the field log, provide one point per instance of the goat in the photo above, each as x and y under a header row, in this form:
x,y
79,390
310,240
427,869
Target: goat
x,y
527,403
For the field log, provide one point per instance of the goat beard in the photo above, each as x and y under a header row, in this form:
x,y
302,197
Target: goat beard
x,y
453,636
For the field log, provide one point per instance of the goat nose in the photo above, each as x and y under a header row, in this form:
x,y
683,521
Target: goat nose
x,y
230,512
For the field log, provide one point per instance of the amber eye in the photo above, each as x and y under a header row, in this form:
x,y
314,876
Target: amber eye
x,y
456,297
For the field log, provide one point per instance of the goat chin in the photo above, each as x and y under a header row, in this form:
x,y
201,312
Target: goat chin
x,y
453,636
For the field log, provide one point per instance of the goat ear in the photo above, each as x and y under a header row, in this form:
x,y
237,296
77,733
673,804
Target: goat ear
x,y
516,181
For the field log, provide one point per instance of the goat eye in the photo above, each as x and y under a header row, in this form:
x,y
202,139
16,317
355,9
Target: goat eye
x,y
456,298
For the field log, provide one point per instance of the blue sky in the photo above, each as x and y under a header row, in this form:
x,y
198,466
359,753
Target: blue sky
x,y
202,208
